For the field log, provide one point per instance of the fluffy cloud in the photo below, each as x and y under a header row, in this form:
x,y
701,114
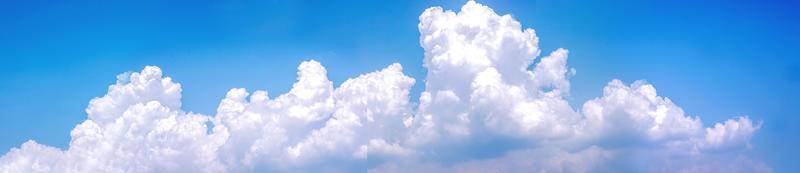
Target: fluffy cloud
x,y
313,123
485,110
487,107
136,127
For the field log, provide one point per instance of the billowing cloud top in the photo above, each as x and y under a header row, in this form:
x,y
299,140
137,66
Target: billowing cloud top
x,y
486,108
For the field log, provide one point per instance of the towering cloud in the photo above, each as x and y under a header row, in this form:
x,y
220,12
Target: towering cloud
x,y
487,107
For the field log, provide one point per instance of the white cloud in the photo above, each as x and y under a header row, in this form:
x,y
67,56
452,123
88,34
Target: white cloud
x,y
480,93
136,127
732,133
279,133
483,109
637,111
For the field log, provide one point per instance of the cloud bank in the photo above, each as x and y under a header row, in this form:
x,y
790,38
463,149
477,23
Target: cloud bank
x,y
487,107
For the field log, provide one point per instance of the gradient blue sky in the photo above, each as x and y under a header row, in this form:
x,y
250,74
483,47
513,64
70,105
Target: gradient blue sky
x,y
715,59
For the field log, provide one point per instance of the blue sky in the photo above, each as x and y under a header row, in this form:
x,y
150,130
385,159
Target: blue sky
x,y
716,59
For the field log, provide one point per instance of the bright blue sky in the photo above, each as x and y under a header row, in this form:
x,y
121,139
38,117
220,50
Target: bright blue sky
x,y
715,59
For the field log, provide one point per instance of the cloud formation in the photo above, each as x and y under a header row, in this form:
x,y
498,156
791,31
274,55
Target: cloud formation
x,y
487,107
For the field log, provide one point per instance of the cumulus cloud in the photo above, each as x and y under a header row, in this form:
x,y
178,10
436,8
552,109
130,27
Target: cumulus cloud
x,y
488,106
136,127
481,94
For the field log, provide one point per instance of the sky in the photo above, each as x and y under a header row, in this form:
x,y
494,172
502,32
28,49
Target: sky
x,y
716,60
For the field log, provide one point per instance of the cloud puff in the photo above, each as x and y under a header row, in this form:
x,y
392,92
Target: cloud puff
x,y
488,106
136,127
485,110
